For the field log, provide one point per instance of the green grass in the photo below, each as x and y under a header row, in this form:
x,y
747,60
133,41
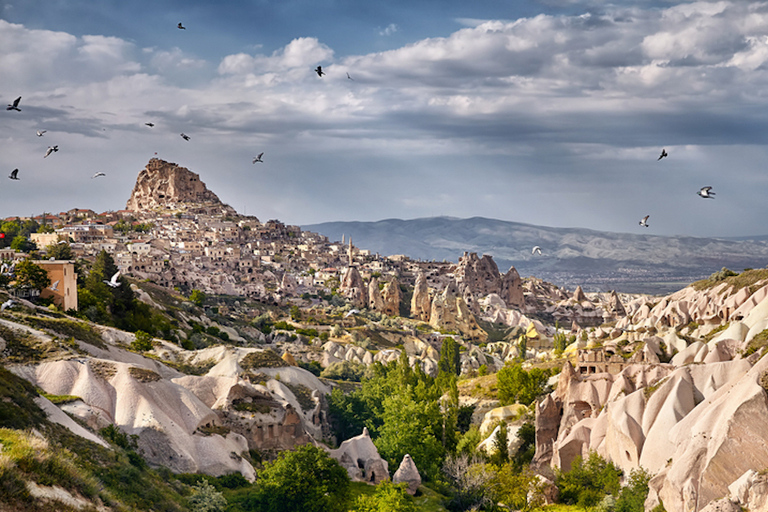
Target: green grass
x,y
747,278
66,327
760,341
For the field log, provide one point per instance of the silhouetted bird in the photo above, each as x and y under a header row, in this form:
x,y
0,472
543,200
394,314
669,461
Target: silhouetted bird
x,y
184,136
706,192
14,174
258,158
51,149
150,124
644,222
350,77
351,312
319,71
182,27
41,132
536,250
663,154
98,174
14,105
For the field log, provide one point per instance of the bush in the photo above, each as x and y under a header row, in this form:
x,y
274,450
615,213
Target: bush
x,y
344,370
388,497
633,495
205,498
306,479
143,342
588,481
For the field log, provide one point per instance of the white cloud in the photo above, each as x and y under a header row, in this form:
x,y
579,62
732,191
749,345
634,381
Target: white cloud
x,y
388,30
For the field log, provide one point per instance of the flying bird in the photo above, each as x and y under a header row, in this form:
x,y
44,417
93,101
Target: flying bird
x,y
14,174
41,132
706,193
113,282
351,312
150,124
350,77
536,250
51,149
184,136
319,71
55,286
258,158
182,27
644,222
6,304
14,105
98,174
663,154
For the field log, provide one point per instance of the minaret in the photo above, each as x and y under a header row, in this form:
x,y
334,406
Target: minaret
x,y
342,239
349,251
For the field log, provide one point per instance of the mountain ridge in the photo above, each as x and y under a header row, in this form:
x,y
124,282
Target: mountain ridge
x,y
599,260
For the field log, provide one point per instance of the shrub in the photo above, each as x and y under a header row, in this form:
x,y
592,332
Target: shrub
x,y
205,498
588,481
143,342
306,479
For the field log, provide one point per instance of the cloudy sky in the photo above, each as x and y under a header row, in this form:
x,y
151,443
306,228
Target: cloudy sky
x,y
551,112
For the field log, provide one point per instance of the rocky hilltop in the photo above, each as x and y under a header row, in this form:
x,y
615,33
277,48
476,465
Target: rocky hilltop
x,y
166,185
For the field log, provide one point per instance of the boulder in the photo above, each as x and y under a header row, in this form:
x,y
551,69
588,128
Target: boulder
x,y
409,474
512,289
359,456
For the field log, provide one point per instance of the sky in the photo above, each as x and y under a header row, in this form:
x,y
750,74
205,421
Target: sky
x,y
546,112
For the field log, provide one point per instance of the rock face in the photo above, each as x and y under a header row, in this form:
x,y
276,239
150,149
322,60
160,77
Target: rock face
x,y
353,288
477,277
408,473
512,289
375,302
391,296
420,302
361,459
450,312
164,184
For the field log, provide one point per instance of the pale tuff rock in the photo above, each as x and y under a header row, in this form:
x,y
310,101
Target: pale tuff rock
x,y
476,277
450,312
375,302
512,289
615,307
288,285
391,296
353,289
359,456
164,184
578,295
421,304
409,474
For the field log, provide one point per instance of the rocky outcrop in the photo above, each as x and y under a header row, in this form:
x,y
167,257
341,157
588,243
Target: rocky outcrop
x,y
375,302
391,296
450,312
409,474
164,185
512,289
476,277
421,304
353,288
361,459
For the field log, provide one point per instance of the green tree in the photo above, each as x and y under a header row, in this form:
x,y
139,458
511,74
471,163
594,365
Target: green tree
x,y
449,362
517,490
518,385
633,495
59,251
30,276
197,297
501,445
588,481
306,479
21,243
143,341
388,497
205,498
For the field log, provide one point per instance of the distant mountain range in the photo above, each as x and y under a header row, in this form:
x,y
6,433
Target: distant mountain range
x,y
596,260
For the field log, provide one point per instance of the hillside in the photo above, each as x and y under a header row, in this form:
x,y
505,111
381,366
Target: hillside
x,y
596,260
